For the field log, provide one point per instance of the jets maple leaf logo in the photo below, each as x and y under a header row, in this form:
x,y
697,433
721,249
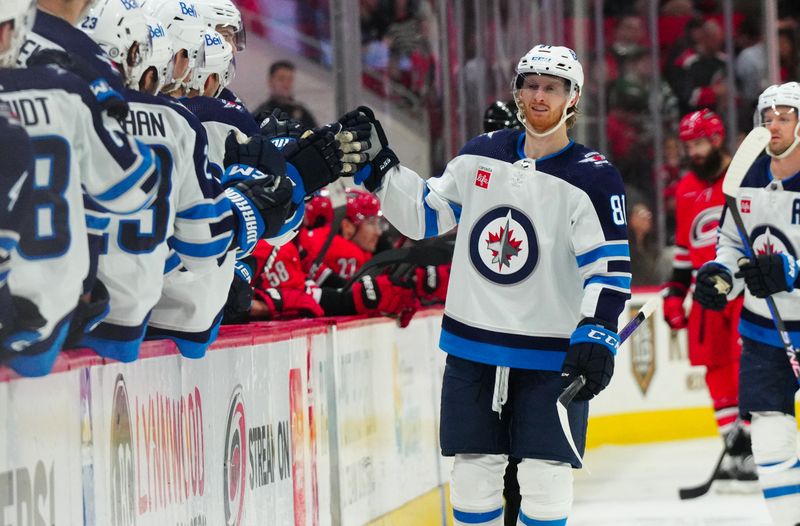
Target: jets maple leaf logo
x,y
503,245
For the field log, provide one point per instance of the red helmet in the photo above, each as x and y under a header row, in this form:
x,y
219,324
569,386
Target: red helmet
x,y
699,124
361,205
319,212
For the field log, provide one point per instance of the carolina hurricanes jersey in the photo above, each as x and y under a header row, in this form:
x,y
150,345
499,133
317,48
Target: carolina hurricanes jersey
x,y
191,213
281,271
52,32
77,147
770,210
343,256
698,208
541,244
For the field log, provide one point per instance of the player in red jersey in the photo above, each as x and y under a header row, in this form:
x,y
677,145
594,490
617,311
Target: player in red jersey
x,y
713,336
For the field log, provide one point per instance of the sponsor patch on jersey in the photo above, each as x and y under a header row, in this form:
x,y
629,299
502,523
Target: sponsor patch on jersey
x,y
503,246
744,206
703,232
768,239
482,177
595,158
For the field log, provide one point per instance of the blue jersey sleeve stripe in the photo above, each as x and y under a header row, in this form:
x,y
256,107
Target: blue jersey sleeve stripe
x,y
612,281
7,243
431,219
201,250
147,164
605,251
206,210
173,261
97,223
456,211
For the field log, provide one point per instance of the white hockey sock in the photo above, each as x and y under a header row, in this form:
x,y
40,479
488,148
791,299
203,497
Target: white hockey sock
x,y
775,451
476,490
546,490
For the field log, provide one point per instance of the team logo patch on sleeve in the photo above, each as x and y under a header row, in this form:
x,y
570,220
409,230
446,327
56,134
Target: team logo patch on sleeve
x,y
482,177
595,158
503,246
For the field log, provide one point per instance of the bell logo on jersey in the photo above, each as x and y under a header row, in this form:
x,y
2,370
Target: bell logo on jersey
x,y
503,246
482,177
744,206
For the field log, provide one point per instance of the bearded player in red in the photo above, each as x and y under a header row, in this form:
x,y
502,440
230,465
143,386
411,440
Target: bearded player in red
x,y
713,336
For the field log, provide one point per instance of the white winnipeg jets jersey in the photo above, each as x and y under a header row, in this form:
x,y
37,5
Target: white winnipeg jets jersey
x,y
540,245
77,146
770,211
190,223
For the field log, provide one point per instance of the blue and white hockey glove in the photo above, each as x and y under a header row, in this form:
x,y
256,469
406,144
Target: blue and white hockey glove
x,y
317,157
279,128
380,158
712,285
261,203
768,274
591,352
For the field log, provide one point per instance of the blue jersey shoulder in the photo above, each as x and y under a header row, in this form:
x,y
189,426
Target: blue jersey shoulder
x,y
210,109
73,40
759,176
48,78
500,144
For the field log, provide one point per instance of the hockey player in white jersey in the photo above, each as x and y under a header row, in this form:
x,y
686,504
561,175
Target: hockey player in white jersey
x,y
225,18
77,146
541,272
185,28
769,205
18,316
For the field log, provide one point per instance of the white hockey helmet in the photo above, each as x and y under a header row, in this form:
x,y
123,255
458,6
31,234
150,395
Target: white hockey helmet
x,y
787,95
558,61
21,14
185,27
224,17
216,57
120,28
162,59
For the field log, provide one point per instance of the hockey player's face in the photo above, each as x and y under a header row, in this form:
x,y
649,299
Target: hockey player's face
x,y
367,234
543,99
781,123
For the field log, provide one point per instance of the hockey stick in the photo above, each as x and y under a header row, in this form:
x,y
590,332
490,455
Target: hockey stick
x,y
748,152
416,255
577,384
702,489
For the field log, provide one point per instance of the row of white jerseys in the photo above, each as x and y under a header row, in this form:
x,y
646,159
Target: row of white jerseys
x,y
190,309
770,211
191,211
540,245
78,149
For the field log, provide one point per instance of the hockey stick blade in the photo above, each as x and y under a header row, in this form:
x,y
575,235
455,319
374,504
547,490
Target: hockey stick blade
x,y
417,255
702,489
577,384
743,159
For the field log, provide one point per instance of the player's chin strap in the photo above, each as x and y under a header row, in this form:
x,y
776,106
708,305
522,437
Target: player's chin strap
x,y
500,396
791,147
551,130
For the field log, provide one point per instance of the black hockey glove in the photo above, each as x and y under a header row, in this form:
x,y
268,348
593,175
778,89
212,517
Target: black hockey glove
x,y
19,325
240,297
768,274
261,202
110,100
712,286
88,314
317,157
278,126
256,151
591,352
380,158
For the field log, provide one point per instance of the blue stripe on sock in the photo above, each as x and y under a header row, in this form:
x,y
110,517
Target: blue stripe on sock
x,y
476,518
781,491
527,521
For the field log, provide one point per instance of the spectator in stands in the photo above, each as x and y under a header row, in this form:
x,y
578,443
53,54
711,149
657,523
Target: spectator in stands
x,y
280,81
699,72
646,262
629,35
751,69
